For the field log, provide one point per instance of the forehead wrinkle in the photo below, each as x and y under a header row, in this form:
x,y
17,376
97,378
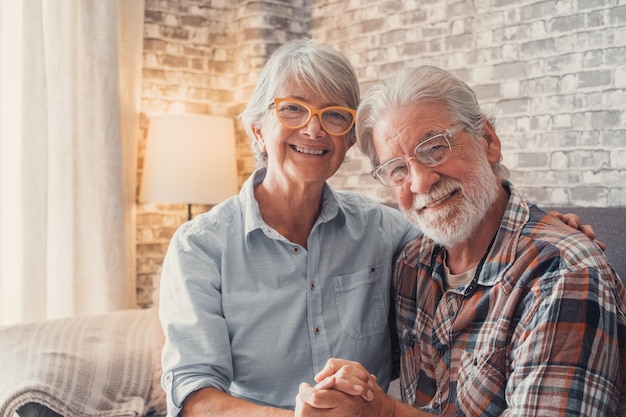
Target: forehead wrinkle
x,y
398,127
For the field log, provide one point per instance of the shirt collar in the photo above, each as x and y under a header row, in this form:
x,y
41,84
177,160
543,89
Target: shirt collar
x,y
502,253
331,207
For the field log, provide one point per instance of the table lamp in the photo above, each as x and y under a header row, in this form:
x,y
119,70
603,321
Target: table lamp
x,y
190,158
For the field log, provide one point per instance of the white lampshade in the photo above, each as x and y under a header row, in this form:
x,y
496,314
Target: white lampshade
x,y
190,158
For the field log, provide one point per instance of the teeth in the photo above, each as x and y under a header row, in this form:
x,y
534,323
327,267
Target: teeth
x,y
309,151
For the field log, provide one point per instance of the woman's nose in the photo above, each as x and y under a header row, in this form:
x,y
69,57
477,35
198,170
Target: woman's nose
x,y
314,127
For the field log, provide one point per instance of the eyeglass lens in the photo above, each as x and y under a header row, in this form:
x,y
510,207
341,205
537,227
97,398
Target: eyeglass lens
x,y
334,119
430,152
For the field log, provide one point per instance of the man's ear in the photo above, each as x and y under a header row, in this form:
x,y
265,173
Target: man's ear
x,y
258,136
494,146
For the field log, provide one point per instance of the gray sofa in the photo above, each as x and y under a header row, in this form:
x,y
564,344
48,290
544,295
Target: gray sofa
x,y
108,366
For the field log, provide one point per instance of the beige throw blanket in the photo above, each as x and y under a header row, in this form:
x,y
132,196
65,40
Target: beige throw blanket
x,y
82,366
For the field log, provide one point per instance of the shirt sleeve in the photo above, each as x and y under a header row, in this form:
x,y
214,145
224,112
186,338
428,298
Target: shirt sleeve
x,y
566,359
196,353
399,228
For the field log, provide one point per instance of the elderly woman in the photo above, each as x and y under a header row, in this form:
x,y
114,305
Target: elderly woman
x,y
258,293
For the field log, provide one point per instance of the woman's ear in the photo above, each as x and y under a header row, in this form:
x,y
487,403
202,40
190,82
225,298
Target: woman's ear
x,y
258,135
350,139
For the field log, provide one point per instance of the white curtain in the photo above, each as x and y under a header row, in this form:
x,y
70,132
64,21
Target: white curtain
x,y
70,78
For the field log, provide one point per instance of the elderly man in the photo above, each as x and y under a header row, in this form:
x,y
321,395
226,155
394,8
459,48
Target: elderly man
x,y
501,309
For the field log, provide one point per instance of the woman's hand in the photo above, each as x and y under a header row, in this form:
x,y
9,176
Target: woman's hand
x,y
348,377
345,389
574,220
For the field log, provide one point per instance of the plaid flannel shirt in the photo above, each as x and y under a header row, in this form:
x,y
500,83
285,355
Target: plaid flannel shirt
x,y
541,329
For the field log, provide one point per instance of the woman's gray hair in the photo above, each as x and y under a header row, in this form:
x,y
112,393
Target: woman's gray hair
x,y
411,86
312,66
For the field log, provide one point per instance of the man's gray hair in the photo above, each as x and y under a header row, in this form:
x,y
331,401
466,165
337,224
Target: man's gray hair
x,y
309,64
411,86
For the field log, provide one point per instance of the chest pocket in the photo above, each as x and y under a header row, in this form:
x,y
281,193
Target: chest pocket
x,y
482,381
360,301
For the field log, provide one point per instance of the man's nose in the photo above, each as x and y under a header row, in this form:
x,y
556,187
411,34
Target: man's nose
x,y
421,177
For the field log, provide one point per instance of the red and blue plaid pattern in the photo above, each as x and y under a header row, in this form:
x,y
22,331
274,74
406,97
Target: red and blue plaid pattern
x,y
541,330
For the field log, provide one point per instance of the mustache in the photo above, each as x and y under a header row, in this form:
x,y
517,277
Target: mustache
x,y
441,189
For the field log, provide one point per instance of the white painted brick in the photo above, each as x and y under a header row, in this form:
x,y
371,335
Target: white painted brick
x,y
542,123
568,84
490,20
457,27
484,38
510,52
618,159
482,74
537,29
564,7
510,89
617,196
171,20
523,124
559,196
620,77
151,30
562,121
558,160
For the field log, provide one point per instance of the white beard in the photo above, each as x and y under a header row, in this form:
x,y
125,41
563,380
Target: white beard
x,y
453,224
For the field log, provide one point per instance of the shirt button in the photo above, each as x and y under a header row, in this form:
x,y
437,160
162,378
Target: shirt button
x,y
296,250
312,285
317,330
441,351
436,405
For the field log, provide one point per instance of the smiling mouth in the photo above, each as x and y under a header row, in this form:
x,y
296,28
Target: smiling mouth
x,y
307,151
432,203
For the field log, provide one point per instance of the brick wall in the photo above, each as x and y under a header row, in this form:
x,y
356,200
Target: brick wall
x,y
553,73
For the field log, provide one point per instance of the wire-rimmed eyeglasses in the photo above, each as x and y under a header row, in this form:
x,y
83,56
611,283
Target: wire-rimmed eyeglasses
x,y
294,113
430,152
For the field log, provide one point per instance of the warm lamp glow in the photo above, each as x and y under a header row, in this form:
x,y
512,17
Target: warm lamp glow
x,y
190,159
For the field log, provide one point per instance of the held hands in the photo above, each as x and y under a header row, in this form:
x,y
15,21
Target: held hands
x,y
348,377
344,388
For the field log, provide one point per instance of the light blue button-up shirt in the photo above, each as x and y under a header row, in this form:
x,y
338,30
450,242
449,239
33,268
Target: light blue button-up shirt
x,y
248,312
